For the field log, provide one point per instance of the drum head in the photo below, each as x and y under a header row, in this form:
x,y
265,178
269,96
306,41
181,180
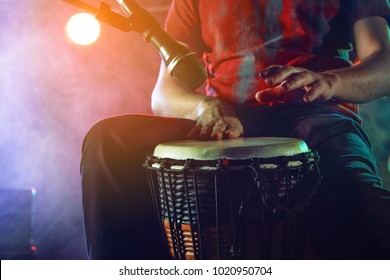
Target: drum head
x,y
239,148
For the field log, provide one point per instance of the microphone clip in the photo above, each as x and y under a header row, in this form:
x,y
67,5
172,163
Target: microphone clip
x,y
106,15
141,22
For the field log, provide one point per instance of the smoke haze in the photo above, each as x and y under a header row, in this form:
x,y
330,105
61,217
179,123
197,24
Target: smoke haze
x,y
52,92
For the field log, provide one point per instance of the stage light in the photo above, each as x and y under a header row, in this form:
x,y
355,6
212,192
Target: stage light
x,y
83,29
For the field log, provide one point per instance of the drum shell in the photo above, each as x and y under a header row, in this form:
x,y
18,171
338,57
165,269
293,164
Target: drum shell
x,y
224,202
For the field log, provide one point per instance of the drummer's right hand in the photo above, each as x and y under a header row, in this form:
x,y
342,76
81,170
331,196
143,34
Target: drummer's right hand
x,y
216,121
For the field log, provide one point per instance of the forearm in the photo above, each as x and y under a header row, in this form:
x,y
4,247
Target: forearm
x,y
360,83
363,82
171,99
214,118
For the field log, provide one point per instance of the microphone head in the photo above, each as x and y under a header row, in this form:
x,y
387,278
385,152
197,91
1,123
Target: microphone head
x,y
182,64
187,70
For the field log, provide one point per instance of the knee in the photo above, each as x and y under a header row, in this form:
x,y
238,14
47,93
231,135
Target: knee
x,y
113,129
97,132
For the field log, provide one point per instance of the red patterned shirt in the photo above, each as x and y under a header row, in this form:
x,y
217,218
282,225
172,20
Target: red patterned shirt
x,y
239,38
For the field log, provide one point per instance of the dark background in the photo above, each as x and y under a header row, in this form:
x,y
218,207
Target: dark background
x,y
52,91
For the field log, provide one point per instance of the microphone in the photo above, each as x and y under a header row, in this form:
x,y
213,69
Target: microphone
x,y
182,64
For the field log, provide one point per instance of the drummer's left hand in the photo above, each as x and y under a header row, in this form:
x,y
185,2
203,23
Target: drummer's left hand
x,y
285,79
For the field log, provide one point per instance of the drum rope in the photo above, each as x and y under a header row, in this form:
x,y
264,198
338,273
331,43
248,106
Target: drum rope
x,y
186,188
173,203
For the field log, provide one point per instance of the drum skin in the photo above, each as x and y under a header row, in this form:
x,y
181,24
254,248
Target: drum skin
x,y
239,148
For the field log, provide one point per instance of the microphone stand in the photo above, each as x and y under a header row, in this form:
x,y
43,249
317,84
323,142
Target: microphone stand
x,y
104,14
182,64
134,22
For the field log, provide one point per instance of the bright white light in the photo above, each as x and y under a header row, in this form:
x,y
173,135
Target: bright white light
x,y
83,29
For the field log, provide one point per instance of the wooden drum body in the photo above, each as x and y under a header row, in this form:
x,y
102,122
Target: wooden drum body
x,y
228,199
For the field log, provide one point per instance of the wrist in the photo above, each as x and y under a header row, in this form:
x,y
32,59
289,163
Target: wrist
x,y
334,81
206,104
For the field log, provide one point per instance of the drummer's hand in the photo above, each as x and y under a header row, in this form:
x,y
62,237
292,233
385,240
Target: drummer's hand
x,y
216,121
285,79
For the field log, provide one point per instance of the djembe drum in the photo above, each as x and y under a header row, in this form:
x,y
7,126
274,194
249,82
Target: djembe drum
x,y
233,199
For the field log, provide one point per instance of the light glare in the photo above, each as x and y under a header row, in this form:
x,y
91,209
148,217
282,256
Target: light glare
x,y
83,29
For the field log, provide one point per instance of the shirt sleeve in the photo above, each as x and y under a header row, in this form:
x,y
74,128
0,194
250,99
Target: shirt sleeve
x,y
359,9
183,24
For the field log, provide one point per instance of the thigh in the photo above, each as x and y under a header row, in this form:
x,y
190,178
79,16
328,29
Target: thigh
x,y
349,214
120,221
115,149
134,131
347,211
347,217
344,147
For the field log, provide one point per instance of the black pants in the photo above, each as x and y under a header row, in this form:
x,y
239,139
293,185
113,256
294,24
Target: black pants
x,y
348,219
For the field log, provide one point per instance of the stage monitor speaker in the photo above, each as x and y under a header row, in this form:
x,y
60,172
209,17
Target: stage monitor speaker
x,y
17,224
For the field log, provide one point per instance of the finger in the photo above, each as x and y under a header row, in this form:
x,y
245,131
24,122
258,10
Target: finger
x,y
205,131
234,132
269,95
315,91
281,74
298,80
269,70
218,129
